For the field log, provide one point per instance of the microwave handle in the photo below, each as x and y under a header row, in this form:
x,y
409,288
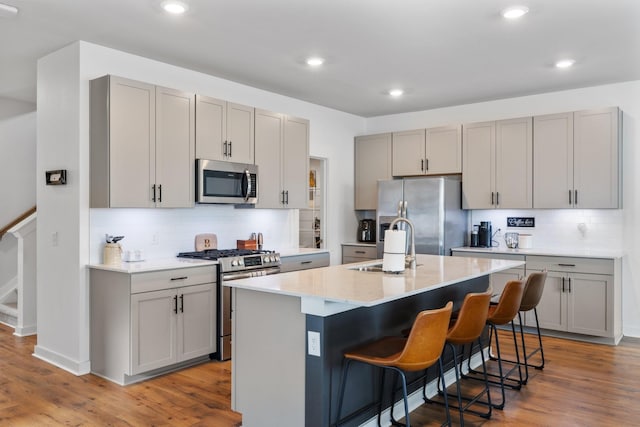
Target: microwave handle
x,y
248,192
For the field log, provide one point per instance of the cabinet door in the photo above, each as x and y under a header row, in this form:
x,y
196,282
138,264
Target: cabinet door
x,y
175,148
372,163
196,321
553,161
589,302
552,308
132,124
478,166
153,330
240,133
295,164
409,153
514,164
211,128
269,128
596,158
443,150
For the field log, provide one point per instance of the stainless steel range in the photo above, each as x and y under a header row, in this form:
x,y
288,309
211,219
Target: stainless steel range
x,y
234,264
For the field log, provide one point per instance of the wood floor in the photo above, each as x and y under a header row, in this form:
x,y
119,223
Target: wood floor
x,y
582,385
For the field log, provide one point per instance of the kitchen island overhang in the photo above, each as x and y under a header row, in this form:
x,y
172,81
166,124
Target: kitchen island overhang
x,y
290,331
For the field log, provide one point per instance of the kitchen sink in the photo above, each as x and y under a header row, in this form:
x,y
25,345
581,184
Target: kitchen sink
x,y
372,267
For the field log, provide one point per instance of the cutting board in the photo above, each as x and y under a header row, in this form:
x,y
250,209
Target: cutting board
x,y
206,241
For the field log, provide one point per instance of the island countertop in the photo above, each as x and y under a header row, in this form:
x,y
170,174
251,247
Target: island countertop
x,y
346,285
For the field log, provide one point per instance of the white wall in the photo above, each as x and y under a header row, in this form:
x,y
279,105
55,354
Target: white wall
x,y
63,142
17,172
613,229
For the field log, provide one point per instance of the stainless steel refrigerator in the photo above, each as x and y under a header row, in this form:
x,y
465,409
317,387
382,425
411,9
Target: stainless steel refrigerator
x,y
434,206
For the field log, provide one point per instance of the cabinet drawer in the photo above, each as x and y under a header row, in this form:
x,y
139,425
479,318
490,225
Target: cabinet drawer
x,y
167,279
366,252
566,264
304,262
513,257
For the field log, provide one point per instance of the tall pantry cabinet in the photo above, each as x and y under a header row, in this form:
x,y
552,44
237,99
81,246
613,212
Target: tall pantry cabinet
x,y
142,145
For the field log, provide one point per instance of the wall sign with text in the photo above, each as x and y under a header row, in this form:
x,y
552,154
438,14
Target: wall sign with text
x,y
517,221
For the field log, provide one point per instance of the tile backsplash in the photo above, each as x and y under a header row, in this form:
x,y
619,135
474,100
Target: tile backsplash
x,y
561,228
162,233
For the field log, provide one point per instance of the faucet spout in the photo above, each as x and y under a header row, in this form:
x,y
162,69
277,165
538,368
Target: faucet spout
x,y
412,256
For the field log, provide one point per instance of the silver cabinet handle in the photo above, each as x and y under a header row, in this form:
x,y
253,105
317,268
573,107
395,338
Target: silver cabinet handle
x,y
224,149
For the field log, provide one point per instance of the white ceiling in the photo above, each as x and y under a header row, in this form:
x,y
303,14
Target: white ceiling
x,y
441,52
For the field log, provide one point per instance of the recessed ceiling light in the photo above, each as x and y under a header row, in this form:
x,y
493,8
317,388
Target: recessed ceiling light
x,y
8,11
565,63
315,61
174,7
396,92
515,12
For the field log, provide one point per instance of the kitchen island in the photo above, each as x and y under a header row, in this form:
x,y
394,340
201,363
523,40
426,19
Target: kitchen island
x,y
290,331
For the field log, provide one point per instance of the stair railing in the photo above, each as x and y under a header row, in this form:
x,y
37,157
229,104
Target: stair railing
x,y
16,221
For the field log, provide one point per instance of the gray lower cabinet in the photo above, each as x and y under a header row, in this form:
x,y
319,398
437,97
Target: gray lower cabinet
x,y
304,261
581,295
358,253
144,324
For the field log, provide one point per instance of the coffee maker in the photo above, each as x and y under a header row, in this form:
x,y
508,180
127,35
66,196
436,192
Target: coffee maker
x,y
484,234
367,231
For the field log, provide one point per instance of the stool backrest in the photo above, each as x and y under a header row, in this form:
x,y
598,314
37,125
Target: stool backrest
x,y
533,290
471,318
509,303
426,339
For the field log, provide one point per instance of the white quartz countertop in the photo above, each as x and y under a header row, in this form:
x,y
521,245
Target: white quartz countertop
x,y
565,252
153,265
342,284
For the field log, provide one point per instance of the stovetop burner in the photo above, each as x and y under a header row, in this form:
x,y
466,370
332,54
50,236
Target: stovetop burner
x,y
214,254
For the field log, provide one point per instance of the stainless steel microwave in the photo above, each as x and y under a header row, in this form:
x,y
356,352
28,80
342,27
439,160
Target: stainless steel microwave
x,y
226,182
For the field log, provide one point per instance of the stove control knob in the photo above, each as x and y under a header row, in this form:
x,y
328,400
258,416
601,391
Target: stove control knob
x,y
241,261
278,258
272,259
234,263
265,258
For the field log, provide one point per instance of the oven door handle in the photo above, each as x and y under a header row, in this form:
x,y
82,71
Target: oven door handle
x,y
250,273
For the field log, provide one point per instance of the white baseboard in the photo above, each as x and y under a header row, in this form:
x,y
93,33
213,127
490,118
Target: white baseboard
x,y
62,362
25,331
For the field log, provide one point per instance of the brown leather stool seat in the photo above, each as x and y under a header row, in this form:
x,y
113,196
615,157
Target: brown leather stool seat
x,y
420,350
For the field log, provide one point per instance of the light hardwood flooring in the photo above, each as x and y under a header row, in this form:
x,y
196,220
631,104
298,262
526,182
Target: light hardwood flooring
x,y
581,385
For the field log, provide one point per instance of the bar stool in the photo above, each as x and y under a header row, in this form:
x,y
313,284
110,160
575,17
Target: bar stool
x,y
467,329
533,289
501,314
417,352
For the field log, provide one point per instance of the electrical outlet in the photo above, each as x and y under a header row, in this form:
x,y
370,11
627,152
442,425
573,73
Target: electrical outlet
x,y
313,343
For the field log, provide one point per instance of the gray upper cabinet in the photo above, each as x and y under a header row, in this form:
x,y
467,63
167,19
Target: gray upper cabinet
x,y
577,158
498,165
434,151
224,130
142,145
372,163
282,156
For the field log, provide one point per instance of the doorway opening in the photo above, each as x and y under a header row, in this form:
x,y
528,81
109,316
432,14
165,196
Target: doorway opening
x,y
313,224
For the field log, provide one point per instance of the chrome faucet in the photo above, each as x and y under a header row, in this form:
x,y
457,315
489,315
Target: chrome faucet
x,y
412,257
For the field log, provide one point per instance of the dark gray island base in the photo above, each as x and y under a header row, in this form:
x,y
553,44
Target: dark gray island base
x,y
290,332
348,329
